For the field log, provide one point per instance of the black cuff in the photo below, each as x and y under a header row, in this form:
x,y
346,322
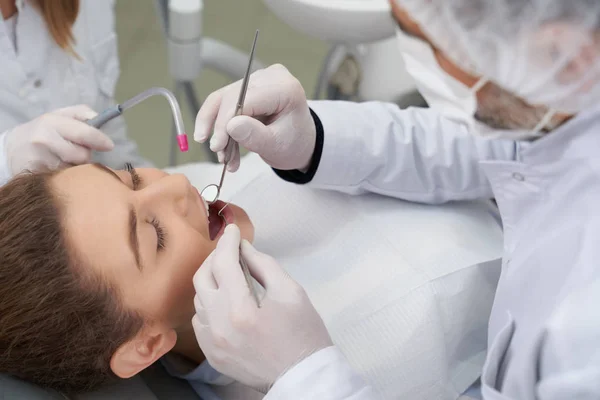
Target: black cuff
x,y
296,176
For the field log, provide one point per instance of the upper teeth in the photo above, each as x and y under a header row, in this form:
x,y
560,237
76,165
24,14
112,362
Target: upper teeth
x,y
205,205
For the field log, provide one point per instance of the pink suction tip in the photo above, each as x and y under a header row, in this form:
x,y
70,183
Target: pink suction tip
x,y
182,142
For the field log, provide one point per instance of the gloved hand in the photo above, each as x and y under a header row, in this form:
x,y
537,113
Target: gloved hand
x,y
276,122
59,137
253,345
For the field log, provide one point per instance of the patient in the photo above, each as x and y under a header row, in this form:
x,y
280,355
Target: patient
x,y
96,273
397,284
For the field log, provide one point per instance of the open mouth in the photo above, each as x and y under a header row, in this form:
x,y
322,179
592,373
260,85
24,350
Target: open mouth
x,y
216,222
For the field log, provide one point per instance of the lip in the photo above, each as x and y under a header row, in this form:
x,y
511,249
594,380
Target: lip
x,y
227,214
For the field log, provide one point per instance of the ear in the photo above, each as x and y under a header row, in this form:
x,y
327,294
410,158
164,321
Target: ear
x,y
142,351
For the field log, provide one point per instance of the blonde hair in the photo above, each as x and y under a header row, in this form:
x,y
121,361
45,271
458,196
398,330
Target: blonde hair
x,y
60,15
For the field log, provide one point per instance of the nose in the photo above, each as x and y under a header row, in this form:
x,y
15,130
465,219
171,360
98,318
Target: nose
x,y
169,191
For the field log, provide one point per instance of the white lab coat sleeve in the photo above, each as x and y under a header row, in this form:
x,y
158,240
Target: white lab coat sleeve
x,y
325,374
125,150
413,154
5,173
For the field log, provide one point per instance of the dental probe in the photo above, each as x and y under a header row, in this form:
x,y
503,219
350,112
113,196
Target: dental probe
x,y
243,264
232,146
116,110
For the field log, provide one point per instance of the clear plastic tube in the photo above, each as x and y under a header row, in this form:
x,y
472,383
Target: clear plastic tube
x,y
175,110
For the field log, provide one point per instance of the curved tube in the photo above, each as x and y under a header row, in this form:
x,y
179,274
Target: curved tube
x,y
127,104
115,111
175,110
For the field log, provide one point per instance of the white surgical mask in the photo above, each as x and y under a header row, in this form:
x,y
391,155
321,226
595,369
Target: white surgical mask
x,y
448,96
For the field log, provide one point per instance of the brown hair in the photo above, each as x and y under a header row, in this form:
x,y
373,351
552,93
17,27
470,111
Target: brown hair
x,y
59,322
60,15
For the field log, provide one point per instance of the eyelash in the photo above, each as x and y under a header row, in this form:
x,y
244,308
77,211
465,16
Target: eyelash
x,y
135,178
160,232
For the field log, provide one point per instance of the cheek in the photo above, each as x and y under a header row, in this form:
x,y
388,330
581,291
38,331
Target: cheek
x,y
174,283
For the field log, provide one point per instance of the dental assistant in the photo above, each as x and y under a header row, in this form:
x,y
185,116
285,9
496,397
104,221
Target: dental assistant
x,y
59,65
514,93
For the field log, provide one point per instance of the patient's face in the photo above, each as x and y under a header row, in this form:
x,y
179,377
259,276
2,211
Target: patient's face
x,y
144,230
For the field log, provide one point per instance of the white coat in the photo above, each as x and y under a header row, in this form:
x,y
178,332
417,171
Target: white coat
x,y
544,327
38,76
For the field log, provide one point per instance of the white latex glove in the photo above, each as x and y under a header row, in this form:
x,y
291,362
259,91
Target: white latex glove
x,y
253,345
276,122
55,138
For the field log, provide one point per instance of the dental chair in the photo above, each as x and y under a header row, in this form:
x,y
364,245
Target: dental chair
x,y
152,384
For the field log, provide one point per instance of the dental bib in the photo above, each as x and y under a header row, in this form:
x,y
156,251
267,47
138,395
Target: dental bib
x,y
404,289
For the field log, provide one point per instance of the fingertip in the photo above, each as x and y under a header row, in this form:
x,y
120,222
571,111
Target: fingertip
x,y
97,139
200,131
234,160
231,229
83,112
232,235
199,138
105,144
218,141
233,165
109,143
90,114
196,324
247,247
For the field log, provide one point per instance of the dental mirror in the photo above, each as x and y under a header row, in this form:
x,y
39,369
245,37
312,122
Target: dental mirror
x,y
210,193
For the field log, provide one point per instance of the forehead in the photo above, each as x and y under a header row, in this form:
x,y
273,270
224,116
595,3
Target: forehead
x,y
95,209
86,193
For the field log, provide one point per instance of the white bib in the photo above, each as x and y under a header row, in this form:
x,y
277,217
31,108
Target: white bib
x,y
404,289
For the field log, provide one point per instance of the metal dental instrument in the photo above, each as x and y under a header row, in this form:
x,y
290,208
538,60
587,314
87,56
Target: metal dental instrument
x,y
244,265
232,146
249,279
115,111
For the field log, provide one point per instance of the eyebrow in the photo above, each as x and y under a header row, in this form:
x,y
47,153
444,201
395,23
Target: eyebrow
x,y
134,242
108,170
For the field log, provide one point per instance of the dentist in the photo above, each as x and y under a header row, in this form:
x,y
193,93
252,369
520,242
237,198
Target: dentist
x,y
514,93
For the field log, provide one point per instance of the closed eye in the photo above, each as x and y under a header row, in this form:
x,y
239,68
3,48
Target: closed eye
x,y
136,182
